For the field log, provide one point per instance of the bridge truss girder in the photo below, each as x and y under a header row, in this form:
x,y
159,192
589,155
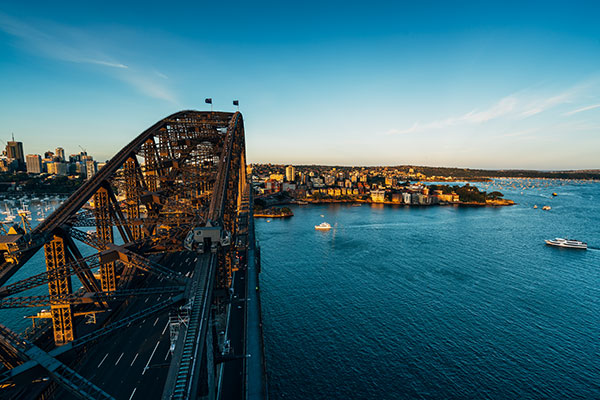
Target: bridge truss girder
x,y
185,170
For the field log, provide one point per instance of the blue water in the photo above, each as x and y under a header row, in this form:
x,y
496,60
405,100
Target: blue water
x,y
435,302
14,317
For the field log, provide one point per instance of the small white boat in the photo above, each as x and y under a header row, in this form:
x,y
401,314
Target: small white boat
x,y
569,243
546,208
323,226
535,206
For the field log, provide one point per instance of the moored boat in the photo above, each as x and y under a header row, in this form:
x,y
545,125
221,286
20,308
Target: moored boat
x,y
569,243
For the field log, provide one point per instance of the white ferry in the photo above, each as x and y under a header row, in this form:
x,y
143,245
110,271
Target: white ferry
x,y
323,226
572,244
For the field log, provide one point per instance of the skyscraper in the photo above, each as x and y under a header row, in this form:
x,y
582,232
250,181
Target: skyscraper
x,y
14,150
60,153
34,164
290,173
91,168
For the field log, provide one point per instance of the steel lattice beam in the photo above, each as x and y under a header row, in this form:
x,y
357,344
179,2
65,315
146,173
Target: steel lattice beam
x,y
71,299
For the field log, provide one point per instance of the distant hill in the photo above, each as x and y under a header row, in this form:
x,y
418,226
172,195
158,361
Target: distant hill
x,y
505,173
466,173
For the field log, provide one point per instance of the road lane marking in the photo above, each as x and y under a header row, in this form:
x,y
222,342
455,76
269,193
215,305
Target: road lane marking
x,y
150,359
132,393
119,358
102,360
154,324
167,324
167,355
134,358
146,299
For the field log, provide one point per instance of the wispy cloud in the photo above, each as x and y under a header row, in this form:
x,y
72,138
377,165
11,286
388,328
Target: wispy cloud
x,y
69,44
541,105
567,114
503,107
515,106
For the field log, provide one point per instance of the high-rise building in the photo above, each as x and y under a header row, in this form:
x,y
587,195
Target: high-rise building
x,y
51,168
290,173
34,164
61,168
60,153
14,150
91,168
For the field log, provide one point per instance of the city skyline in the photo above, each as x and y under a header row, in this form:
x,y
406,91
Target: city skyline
x,y
470,85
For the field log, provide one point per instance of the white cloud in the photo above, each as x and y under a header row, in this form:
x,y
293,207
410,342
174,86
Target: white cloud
x,y
73,45
582,109
503,107
516,106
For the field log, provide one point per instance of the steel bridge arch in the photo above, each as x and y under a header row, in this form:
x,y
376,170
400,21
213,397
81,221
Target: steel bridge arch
x,y
185,170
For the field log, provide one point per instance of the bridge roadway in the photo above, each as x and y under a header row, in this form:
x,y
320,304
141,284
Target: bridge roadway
x,y
133,363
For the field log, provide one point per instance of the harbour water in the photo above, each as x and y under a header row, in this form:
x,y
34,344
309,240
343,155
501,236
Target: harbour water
x,y
435,302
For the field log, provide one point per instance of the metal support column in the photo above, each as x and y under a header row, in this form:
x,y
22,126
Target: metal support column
x,y
104,231
133,197
59,284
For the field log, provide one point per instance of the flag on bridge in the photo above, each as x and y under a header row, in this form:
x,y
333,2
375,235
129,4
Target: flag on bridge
x,y
236,103
208,101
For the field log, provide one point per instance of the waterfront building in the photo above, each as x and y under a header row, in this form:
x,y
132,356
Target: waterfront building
x,y
34,164
290,173
377,196
406,197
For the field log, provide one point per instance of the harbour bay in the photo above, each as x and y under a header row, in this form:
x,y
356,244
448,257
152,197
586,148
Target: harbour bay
x,y
435,302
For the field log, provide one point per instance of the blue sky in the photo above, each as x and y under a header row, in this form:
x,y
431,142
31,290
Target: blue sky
x,y
470,84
